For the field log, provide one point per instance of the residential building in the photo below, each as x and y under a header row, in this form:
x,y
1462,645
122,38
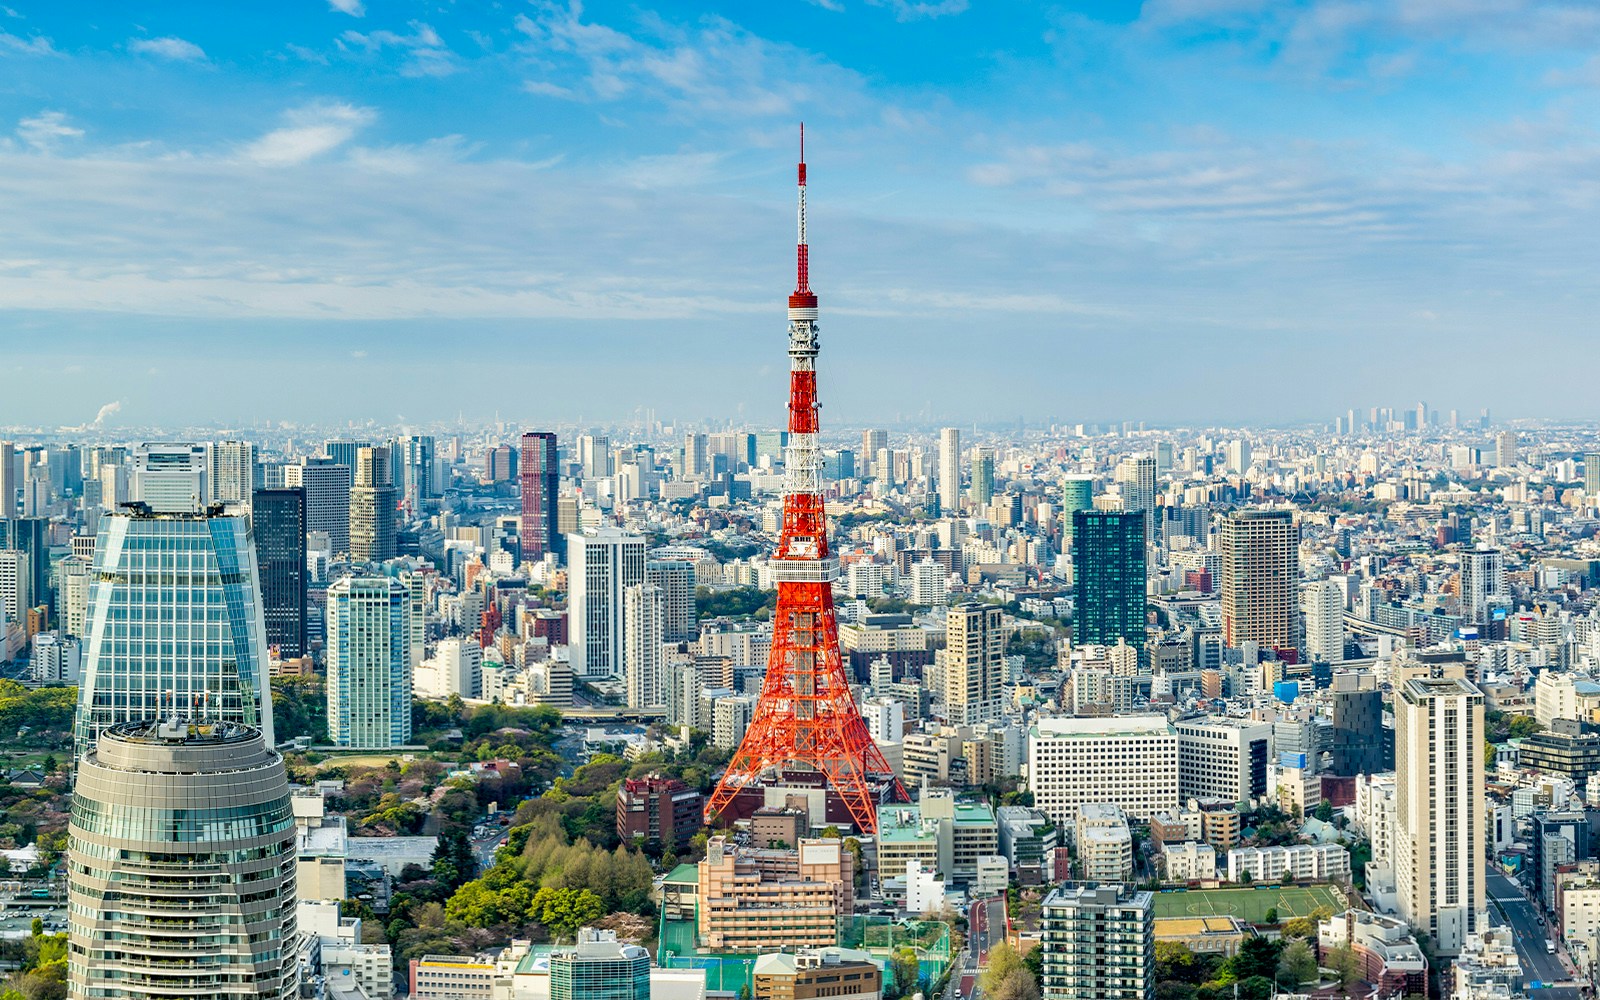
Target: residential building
x,y
371,634
817,974
1189,862
1483,576
1104,842
643,662
148,882
55,659
949,470
1098,943
233,474
1323,605
1439,863
676,579
1260,562
974,654
766,900
1108,577
1302,862
372,506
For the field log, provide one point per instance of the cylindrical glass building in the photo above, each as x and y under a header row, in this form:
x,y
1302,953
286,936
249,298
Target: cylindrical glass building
x,y
181,866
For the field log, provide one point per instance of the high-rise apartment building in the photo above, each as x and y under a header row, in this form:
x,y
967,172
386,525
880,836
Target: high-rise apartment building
x,y
371,631
232,472
981,489
1591,474
1483,575
1098,943
599,967
643,665
950,470
1505,449
675,577
1323,604
170,478
1108,577
180,866
601,567
372,506
174,623
1136,475
1439,827
8,479
974,656
278,518
16,585
1260,562
1077,493
540,476
327,489
873,441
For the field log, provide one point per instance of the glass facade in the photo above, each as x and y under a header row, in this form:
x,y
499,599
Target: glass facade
x,y
196,901
1108,572
599,968
174,623
279,520
370,638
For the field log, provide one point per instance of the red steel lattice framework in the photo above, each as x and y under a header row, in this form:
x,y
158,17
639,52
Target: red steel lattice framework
x,y
806,715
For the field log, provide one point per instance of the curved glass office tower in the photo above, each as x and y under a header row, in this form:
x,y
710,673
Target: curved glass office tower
x,y
174,624
181,866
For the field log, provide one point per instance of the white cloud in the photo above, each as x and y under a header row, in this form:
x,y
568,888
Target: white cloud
x,y
921,10
425,53
310,132
45,129
355,8
168,48
38,45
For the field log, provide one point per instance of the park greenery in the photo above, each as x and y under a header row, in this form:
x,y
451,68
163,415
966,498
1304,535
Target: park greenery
x,y
1289,961
738,602
1007,976
37,710
39,966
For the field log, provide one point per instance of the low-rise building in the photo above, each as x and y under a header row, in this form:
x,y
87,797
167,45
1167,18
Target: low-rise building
x,y
1203,935
660,810
1189,862
1301,862
1386,952
817,974
1105,844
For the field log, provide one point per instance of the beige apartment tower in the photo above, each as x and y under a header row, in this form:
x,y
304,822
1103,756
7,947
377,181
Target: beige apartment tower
x,y
974,653
1260,557
1439,823
181,866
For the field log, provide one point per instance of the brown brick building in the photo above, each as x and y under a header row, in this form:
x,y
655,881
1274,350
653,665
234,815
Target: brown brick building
x,y
660,810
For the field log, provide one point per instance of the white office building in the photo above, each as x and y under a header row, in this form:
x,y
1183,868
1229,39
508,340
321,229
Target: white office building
x,y
644,608
170,478
600,568
1222,758
1323,604
1130,761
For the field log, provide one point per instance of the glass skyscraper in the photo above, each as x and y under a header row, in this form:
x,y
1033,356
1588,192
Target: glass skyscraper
x,y
279,520
174,623
1108,573
599,967
180,866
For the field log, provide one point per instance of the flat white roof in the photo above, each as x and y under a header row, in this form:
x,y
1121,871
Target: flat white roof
x,y
1113,725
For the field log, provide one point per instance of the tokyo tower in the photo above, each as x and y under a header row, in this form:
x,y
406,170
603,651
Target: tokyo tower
x,y
806,716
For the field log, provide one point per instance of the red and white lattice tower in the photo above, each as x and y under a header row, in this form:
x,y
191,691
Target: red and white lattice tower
x,y
806,716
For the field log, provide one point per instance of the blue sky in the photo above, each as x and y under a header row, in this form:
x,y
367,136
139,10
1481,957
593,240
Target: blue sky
x,y
1182,210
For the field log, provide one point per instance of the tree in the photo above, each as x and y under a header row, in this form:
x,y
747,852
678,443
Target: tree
x,y
1524,726
1490,752
1258,956
1342,960
1174,960
1300,927
1003,961
1017,986
904,968
1324,811
1255,988
1271,916
563,911
1297,964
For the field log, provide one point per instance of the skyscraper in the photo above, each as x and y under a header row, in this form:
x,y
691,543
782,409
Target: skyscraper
x,y
981,490
872,442
1109,578
644,609
975,650
278,518
170,478
675,577
950,470
541,485
1439,827
1505,449
1483,575
1098,942
31,537
594,456
8,479
1077,493
1591,474
371,632
180,866
372,506
175,623
1323,604
416,468
16,585
344,452
1361,743
1260,565
1137,476
602,566
327,488
232,470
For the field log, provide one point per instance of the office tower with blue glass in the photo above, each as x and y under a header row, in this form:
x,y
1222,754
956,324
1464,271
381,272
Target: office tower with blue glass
x,y
372,628
174,622
1108,572
279,519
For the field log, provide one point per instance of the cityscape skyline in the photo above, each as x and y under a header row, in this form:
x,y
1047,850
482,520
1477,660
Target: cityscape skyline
x,y
1243,189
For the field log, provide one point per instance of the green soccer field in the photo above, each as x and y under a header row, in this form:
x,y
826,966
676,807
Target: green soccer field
x,y
1250,905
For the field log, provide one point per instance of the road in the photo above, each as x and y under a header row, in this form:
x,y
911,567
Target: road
x,y
986,927
1538,965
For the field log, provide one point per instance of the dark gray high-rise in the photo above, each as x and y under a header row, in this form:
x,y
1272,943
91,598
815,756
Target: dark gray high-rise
x,y
279,518
1361,744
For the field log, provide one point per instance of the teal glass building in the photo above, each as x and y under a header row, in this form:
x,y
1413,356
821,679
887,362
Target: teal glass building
x,y
174,623
599,967
1108,572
